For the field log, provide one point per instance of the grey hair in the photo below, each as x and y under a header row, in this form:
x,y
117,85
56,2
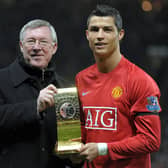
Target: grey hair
x,y
35,24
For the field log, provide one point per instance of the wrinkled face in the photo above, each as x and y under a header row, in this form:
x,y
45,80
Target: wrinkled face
x,y
38,47
103,36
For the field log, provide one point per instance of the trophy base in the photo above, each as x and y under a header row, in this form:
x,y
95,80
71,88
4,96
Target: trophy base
x,y
70,152
66,148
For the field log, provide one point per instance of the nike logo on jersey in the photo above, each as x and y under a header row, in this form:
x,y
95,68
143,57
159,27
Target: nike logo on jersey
x,y
104,118
85,93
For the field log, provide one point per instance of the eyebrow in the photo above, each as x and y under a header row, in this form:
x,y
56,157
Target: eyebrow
x,y
97,27
33,38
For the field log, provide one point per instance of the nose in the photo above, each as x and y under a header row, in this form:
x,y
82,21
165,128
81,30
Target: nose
x,y
100,34
37,45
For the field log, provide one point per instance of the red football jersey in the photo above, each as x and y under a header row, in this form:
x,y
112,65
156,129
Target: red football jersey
x,y
120,108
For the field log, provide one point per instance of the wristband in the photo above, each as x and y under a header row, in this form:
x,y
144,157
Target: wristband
x,y
102,148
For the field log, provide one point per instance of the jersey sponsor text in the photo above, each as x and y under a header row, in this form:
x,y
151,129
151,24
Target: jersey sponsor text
x,y
104,118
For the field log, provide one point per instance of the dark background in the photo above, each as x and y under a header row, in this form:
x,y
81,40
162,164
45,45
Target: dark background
x,y
145,42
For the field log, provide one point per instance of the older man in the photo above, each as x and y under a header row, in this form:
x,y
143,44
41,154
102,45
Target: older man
x,y
27,114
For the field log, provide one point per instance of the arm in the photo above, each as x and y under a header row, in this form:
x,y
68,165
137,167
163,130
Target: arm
x,y
144,94
18,114
146,140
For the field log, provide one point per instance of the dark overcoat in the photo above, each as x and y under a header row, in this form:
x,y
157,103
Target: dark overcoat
x,y
26,139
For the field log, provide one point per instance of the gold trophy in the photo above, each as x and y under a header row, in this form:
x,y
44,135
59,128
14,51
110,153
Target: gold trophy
x,y
68,121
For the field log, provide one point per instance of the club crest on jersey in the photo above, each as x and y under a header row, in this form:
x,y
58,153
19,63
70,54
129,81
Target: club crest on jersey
x,y
102,118
153,104
117,92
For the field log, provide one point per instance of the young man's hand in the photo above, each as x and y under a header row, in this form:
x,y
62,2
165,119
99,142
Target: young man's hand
x,y
90,151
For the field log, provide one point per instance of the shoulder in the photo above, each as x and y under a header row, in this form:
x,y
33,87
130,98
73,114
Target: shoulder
x,y
87,71
137,74
5,79
12,67
139,81
4,72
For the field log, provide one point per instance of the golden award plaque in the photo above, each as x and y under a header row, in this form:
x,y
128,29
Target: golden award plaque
x,y
68,121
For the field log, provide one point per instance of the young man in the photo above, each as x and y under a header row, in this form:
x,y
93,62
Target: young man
x,y
27,113
119,101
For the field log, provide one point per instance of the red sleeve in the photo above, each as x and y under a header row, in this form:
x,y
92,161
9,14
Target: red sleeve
x,y
143,93
147,139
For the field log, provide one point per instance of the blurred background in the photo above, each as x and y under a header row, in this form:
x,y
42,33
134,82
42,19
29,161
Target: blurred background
x,y
145,42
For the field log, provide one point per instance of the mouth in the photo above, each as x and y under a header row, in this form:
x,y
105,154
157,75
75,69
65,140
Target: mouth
x,y
35,55
100,44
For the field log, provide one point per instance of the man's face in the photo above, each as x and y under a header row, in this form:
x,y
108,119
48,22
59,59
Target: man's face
x,y
38,47
103,36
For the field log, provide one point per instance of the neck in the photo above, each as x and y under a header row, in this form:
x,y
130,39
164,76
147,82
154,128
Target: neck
x,y
31,70
106,64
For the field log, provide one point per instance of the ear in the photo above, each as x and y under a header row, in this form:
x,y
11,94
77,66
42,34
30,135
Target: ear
x,y
55,47
121,34
21,46
86,32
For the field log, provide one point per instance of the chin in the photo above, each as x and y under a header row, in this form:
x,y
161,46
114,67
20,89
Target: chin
x,y
101,54
37,65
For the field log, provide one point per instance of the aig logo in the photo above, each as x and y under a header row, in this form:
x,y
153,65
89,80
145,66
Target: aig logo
x,y
104,118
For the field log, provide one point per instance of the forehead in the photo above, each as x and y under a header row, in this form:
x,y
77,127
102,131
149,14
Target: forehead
x,y
38,32
101,21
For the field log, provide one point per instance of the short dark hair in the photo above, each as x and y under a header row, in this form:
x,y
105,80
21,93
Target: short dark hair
x,y
107,10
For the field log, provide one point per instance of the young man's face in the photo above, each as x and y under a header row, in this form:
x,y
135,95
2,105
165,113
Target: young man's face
x,y
103,36
38,47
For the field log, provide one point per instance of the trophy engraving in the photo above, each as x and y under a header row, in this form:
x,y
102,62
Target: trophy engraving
x,y
68,120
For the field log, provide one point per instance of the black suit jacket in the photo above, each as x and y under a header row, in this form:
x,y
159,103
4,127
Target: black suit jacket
x,y
26,140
